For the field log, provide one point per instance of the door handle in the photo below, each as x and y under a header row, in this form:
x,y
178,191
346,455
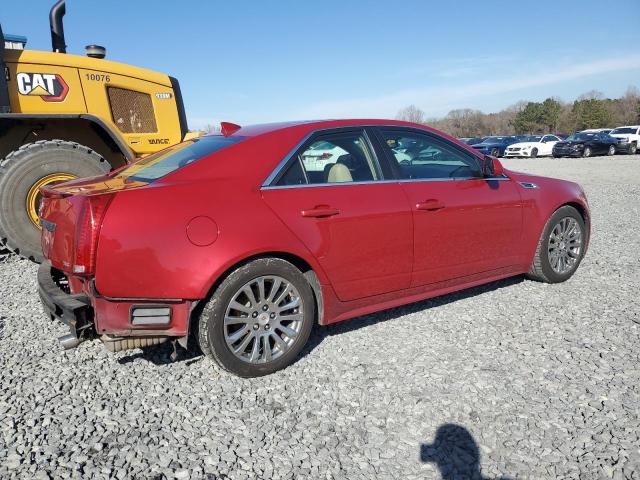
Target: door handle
x,y
320,211
430,205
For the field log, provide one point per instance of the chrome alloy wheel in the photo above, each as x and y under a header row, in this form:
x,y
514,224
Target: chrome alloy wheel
x,y
565,245
263,319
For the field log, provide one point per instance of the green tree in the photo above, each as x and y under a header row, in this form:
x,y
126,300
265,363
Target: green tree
x,y
551,110
590,113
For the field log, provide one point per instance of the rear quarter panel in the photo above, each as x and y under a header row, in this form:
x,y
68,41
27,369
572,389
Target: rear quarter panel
x,y
144,251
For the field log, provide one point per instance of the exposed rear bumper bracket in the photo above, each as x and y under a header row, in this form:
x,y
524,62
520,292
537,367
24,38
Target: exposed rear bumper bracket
x,y
74,310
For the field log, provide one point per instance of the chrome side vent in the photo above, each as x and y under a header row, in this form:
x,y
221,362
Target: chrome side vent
x,y
528,185
150,315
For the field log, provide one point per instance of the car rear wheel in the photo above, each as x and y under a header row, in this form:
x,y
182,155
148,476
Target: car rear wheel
x,y
611,151
560,248
495,152
586,152
258,319
534,153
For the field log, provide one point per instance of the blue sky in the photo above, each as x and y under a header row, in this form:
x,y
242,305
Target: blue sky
x,y
260,61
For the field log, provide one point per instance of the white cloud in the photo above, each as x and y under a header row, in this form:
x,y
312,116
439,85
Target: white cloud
x,y
438,100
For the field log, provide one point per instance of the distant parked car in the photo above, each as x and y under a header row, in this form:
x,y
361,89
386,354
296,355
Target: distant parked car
x,y
533,146
596,130
628,138
583,144
472,140
495,146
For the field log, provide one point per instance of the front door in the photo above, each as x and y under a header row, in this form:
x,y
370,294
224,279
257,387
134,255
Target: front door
x,y
332,197
464,224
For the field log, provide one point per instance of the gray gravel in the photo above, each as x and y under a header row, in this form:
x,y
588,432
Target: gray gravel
x,y
514,380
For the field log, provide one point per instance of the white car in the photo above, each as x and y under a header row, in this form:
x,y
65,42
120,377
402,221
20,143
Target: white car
x,y
533,146
628,138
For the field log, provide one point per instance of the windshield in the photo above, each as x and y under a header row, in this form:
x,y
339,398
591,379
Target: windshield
x,y
577,137
624,130
173,158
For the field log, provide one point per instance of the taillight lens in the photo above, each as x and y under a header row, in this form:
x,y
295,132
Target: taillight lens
x,y
87,232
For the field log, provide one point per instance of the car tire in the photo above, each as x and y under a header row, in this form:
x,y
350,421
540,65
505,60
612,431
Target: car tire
x,y
22,172
222,327
534,153
633,149
495,152
556,155
611,151
543,267
586,153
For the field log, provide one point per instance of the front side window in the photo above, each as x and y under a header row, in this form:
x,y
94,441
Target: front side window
x,y
421,156
333,158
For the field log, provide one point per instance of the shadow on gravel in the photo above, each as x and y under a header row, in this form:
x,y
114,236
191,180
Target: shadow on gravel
x,y
161,354
320,333
456,454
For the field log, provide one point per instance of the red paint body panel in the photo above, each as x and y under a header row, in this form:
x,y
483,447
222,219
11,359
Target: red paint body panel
x,y
477,228
367,246
376,250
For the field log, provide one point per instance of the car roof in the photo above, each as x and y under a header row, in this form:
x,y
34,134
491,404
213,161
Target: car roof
x,y
311,125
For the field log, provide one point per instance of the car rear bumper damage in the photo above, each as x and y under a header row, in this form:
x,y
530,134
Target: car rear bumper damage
x,y
74,310
121,324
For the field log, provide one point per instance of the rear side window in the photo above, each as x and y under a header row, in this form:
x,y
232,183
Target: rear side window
x,y
343,157
173,158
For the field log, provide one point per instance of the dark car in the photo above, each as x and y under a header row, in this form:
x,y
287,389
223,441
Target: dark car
x,y
586,144
472,140
495,146
404,213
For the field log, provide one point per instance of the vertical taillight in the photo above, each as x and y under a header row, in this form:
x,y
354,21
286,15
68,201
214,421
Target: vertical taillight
x,y
87,233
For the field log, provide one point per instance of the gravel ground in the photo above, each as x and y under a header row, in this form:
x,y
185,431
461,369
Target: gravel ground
x,y
511,380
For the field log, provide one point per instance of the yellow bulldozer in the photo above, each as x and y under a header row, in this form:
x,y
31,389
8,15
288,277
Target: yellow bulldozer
x,y
66,116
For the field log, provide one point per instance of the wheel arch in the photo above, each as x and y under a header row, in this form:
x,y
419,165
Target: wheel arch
x,y
296,260
89,130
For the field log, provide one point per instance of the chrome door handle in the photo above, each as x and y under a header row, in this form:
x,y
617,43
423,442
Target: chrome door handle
x,y
430,205
320,211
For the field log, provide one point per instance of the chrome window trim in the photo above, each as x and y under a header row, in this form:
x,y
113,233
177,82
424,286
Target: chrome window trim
x,y
276,171
378,182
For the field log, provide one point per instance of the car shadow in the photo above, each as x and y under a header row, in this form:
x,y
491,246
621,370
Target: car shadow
x,y
161,354
320,333
456,454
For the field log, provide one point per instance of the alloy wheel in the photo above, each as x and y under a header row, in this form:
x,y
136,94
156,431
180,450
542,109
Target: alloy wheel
x,y
565,245
263,319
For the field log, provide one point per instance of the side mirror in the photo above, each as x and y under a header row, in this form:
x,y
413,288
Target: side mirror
x,y
491,167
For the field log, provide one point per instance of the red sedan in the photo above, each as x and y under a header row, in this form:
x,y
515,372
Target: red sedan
x,y
248,238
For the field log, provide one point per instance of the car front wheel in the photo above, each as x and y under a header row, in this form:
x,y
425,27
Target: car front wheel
x,y
560,248
611,151
258,319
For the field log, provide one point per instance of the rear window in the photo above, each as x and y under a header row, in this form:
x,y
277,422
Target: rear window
x,y
173,158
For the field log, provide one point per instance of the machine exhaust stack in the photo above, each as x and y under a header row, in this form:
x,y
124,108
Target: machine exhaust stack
x,y
57,29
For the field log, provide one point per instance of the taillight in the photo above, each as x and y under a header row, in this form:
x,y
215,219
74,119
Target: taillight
x,y
87,232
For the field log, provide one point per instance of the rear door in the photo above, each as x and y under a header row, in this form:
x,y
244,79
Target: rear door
x,y
464,224
333,196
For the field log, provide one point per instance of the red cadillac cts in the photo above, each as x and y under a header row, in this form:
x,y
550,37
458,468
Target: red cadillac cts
x,y
249,237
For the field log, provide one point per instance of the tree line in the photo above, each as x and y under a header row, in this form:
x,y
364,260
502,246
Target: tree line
x,y
590,110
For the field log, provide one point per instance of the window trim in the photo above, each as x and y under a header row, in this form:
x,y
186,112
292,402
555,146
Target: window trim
x,y
390,158
294,155
387,166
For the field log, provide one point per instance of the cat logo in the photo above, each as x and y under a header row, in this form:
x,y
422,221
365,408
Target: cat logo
x,y
48,86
